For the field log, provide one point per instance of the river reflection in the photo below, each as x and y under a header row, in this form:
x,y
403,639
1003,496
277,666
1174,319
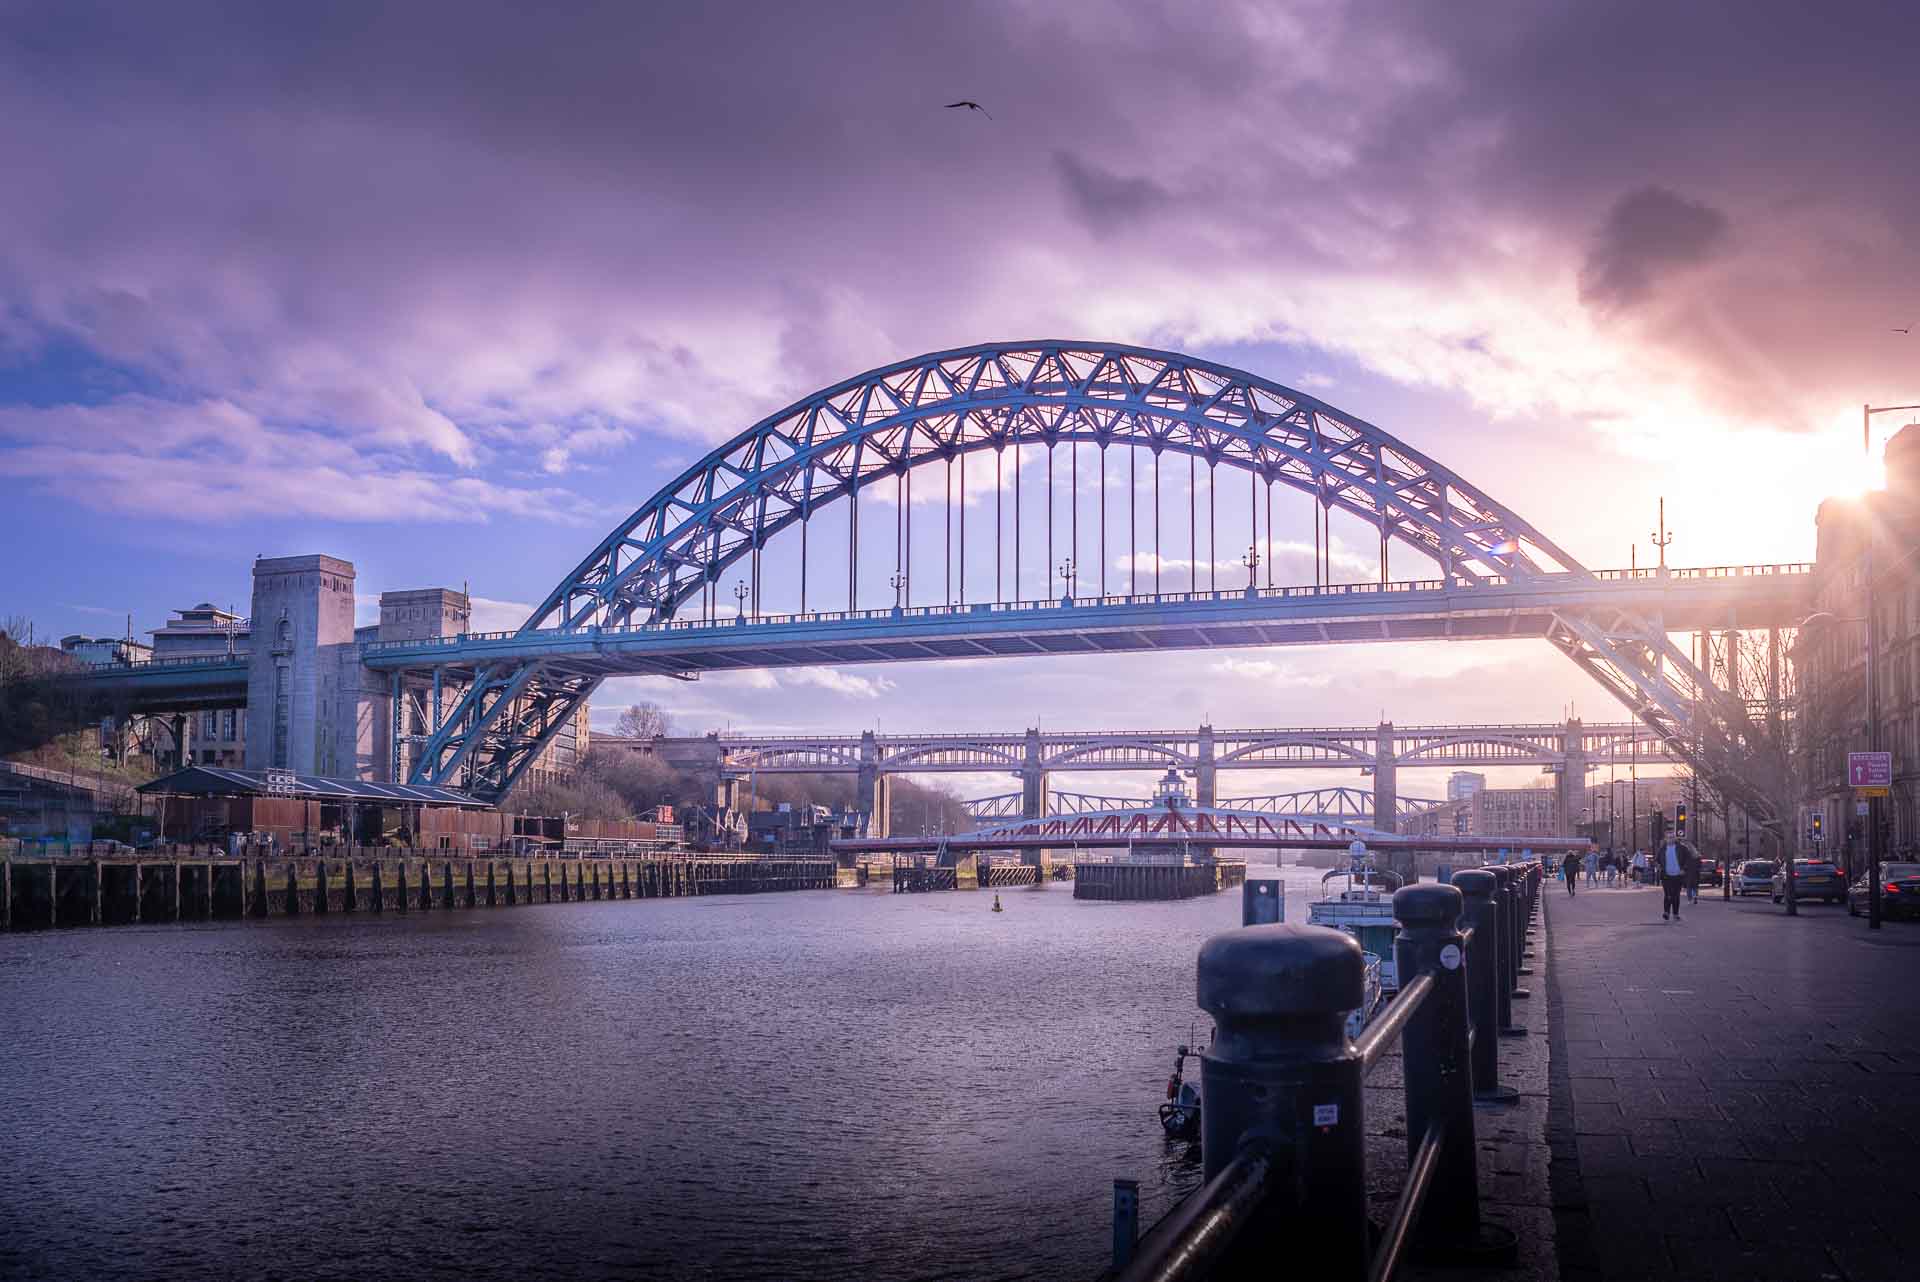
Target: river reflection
x,y
815,1085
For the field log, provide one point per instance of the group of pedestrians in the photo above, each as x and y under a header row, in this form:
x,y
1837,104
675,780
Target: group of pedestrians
x,y
1675,866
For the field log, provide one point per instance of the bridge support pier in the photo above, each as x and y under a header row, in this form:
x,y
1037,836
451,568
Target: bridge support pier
x,y
875,790
1033,779
182,730
1386,781
1572,785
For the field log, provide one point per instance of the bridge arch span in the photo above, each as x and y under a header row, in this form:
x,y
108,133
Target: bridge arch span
x,y
881,425
1314,743
1152,755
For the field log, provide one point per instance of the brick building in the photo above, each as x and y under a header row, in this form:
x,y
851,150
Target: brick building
x,y
1829,657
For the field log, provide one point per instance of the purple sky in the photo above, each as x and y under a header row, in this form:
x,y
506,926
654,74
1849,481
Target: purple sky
x,y
448,289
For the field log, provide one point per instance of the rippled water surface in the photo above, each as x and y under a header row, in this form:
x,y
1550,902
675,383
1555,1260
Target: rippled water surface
x,y
815,1085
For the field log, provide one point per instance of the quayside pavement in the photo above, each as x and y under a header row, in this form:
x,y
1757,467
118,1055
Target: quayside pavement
x,y
1742,1088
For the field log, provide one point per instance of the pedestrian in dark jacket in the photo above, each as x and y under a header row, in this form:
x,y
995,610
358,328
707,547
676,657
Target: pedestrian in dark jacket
x,y
1570,869
1675,861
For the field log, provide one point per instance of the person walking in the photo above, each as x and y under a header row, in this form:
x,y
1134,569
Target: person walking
x,y
1693,883
1613,867
1570,869
1677,860
1593,867
1640,866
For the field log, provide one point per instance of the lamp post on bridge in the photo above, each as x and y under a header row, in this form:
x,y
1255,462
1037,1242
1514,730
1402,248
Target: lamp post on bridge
x,y
899,584
740,590
1252,561
1067,572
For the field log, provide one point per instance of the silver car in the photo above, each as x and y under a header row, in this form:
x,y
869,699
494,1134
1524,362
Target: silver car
x,y
1754,878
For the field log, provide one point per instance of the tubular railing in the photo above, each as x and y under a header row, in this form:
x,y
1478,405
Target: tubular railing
x,y
1283,1137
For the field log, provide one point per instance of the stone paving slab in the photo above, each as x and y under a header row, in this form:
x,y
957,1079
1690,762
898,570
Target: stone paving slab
x,y
1742,1089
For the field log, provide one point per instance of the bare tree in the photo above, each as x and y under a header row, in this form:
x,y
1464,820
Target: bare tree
x,y
642,721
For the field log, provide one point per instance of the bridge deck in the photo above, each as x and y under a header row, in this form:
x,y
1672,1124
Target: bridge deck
x,y
1414,610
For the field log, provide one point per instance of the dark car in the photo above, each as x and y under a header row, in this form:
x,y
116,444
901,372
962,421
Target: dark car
x,y
1899,891
1709,872
1755,877
1813,879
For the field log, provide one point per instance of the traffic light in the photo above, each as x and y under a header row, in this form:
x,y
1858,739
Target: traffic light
x,y
1817,825
1680,819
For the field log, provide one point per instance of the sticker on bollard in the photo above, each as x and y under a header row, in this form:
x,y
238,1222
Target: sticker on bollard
x,y
1450,957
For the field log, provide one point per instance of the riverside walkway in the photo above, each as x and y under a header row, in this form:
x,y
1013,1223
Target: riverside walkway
x,y
1736,1094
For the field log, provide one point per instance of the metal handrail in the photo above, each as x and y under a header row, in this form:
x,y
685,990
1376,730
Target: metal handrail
x,y
1203,1228
1406,1210
1380,1035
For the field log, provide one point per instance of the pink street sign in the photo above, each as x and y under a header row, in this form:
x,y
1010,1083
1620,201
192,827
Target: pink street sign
x,y
1869,769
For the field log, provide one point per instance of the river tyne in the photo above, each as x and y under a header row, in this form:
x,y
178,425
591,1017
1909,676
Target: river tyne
x,y
824,1084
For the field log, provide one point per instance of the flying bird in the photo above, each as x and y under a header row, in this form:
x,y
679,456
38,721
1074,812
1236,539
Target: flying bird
x,y
1898,330
970,105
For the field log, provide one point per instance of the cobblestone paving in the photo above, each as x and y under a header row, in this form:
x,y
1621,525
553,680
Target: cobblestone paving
x,y
1743,1089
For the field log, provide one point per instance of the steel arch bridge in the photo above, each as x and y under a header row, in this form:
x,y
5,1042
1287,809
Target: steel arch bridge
x,y
659,570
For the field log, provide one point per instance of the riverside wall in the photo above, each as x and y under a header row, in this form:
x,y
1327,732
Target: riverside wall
x,y
37,894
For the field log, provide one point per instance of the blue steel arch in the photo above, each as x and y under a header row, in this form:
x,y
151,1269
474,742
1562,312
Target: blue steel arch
x,y
882,424
877,425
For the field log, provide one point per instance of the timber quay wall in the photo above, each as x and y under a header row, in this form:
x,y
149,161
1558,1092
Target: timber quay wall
x,y
38,894
1125,881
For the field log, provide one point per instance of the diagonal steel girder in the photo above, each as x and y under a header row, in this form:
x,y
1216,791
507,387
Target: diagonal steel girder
x,y
500,725
1707,728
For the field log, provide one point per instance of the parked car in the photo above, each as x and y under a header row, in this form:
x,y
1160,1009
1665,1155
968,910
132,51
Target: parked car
x,y
1814,879
1755,877
1899,891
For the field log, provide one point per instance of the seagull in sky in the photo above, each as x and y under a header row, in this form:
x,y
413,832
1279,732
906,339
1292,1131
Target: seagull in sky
x,y
1898,330
970,105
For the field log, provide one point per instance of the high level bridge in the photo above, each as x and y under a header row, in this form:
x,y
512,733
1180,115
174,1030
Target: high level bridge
x,y
812,513
1569,749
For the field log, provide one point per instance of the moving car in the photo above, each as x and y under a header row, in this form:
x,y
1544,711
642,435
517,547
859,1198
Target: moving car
x,y
1814,879
1709,871
1755,877
1899,891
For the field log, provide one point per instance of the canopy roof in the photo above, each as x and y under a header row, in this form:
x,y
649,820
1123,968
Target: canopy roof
x,y
217,781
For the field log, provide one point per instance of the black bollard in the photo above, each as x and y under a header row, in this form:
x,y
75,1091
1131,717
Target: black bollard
x,y
491,901
472,900
1476,888
1439,1080
1282,1071
446,885
403,886
426,885
293,890
1503,951
379,893
320,886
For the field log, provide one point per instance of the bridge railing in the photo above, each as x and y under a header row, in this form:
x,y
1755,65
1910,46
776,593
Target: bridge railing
x,y
1222,595
1283,1139
173,661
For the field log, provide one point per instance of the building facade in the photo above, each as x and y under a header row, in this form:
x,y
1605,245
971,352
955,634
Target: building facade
x,y
1462,785
1829,657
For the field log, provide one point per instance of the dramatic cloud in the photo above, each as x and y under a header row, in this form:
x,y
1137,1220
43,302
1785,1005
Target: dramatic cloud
x,y
1649,234
497,241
